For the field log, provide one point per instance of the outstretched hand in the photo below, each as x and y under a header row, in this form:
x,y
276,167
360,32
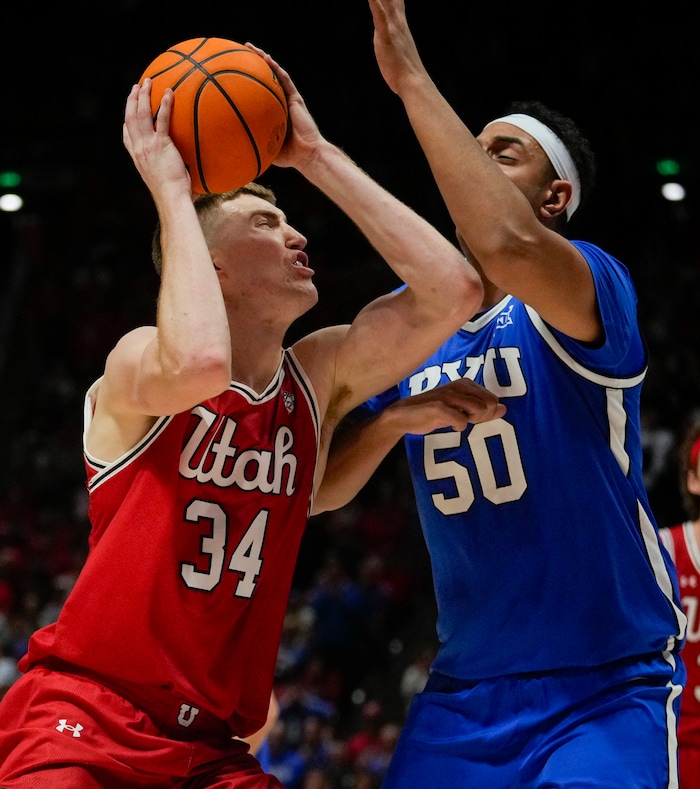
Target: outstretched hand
x,y
303,135
150,146
455,404
394,46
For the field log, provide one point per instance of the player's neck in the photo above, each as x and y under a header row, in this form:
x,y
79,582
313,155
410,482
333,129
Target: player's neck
x,y
492,295
696,529
255,365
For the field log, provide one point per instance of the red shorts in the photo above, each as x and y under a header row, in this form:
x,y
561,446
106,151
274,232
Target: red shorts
x,y
689,749
61,731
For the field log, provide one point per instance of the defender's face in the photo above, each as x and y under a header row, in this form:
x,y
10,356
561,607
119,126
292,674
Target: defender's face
x,y
520,157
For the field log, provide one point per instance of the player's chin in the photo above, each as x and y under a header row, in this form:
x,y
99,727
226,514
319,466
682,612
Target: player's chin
x,y
306,303
308,294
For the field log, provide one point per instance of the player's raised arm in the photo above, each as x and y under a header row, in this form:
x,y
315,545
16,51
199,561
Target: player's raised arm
x,y
396,332
521,250
187,357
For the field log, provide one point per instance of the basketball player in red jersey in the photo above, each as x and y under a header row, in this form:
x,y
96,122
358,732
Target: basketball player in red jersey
x,y
683,543
204,441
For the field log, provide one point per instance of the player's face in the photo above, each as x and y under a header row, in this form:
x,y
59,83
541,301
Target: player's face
x,y
521,158
693,479
260,255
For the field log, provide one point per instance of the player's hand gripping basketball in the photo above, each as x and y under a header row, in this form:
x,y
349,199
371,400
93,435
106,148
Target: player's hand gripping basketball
x,y
155,156
303,135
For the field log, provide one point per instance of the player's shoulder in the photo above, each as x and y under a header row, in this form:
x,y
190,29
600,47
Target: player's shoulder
x,y
670,529
673,538
324,336
600,259
129,347
317,351
136,338
139,334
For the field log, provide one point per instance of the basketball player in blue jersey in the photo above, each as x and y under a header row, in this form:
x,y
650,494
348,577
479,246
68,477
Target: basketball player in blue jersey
x,y
559,616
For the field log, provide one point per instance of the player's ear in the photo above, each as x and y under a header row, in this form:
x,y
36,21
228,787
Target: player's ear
x,y
557,198
693,483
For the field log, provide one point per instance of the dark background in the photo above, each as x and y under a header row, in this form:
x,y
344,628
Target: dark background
x,y
628,79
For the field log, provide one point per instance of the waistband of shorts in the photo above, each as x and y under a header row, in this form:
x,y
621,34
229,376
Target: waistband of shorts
x,y
647,667
162,705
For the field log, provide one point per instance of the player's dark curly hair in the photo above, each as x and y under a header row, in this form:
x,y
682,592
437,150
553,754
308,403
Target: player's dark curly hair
x,y
205,206
569,133
691,502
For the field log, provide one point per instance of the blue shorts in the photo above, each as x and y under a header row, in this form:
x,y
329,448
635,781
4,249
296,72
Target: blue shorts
x,y
612,726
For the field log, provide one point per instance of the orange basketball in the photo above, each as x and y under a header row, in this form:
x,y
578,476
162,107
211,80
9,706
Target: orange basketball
x,y
229,117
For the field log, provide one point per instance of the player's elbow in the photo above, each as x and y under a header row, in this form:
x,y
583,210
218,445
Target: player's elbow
x,y
335,485
218,377
214,373
329,498
206,374
465,295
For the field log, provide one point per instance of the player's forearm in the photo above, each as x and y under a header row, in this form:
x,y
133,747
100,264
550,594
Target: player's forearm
x,y
356,452
423,258
193,331
476,193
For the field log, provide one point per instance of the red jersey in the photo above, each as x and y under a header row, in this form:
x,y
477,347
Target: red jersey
x,y
684,548
193,543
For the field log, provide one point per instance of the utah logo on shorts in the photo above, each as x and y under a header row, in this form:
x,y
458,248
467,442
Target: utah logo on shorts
x,y
187,715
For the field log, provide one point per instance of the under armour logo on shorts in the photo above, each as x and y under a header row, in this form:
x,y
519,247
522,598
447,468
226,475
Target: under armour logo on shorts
x,y
64,726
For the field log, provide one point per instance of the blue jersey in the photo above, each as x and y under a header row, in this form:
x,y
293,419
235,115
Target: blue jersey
x,y
544,550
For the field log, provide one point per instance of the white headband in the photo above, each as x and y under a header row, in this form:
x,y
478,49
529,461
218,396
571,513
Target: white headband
x,y
555,149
